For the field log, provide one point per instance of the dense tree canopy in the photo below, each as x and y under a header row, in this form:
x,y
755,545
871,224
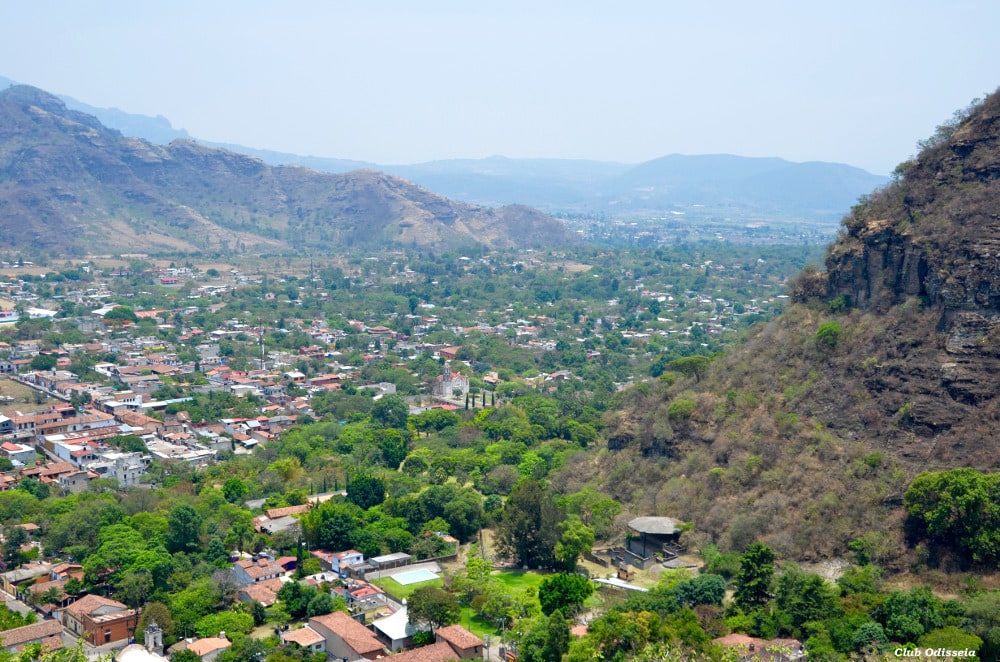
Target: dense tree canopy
x,y
957,510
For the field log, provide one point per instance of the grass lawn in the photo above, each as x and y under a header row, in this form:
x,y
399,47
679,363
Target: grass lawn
x,y
477,625
519,579
404,591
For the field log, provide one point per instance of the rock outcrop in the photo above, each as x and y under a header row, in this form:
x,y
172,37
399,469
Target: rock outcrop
x,y
807,439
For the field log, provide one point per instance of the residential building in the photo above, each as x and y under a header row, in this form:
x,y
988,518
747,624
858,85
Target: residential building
x,y
466,645
252,572
439,651
305,637
265,592
395,630
209,648
27,573
18,453
47,633
346,638
99,620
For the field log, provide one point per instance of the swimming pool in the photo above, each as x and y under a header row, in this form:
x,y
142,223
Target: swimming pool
x,y
415,576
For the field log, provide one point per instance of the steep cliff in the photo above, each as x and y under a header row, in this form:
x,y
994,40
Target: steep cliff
x,y
887,364
932,238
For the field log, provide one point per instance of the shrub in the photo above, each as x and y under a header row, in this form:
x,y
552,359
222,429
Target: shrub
x,y
681,410
829,335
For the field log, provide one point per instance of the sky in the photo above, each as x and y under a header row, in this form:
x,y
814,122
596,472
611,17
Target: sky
x,y
398,82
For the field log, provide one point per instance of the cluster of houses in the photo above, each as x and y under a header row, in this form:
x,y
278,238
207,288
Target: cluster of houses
x,y
377,625
341,636
92,618
72,434
66,448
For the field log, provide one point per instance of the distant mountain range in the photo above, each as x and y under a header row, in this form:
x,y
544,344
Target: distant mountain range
x,y
68,184
734,185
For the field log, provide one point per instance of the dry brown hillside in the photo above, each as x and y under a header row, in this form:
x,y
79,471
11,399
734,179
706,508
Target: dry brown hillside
x,y
70,185
808,434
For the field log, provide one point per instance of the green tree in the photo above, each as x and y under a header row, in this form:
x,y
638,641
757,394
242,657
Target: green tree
x,y
564,592
296,598
134,588
907,615
594,509
753,584
15,538
185,655
957,509
464,513
10,619
392,447
547,641
34,487
190,604
154,612
234,490
332,525
951,638
390,411
869,638
528,531
708,589
43,362
691,366
829,335
121,314
321,604
183,529
983,614
129,443
35,653
365,490
804,597
230,622
433,607
575,540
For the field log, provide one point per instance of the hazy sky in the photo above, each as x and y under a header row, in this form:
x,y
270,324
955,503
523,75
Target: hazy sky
x,y
402,81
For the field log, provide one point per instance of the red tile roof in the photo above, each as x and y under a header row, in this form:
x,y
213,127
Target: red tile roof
x,y
275,513
354,634
207,645
436,652
456,635
261,594
90,603
29,633
304,637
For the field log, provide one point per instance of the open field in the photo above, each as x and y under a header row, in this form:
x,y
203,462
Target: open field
x,y
22,398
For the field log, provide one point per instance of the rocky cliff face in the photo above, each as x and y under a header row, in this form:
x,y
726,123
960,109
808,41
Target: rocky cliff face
x,y
932,239
807,441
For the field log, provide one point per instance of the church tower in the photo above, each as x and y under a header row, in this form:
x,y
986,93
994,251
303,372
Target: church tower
x,y
154,638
